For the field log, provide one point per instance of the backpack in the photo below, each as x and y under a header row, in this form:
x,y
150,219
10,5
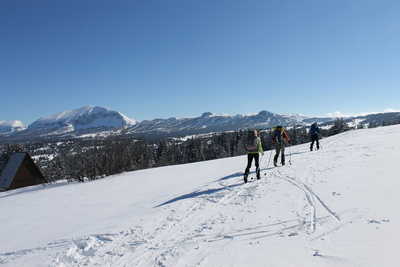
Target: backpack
x,y
277,134
251,144
314,130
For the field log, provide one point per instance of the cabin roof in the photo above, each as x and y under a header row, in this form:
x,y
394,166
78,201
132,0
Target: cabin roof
x,y
10,169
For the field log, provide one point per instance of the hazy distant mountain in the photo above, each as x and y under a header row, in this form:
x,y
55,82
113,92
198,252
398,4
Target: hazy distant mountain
x,y
8,127
209,122
296,117
376,119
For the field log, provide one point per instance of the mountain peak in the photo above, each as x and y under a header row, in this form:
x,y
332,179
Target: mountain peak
x,y
7,127
206,114
14,123
264,113
83,118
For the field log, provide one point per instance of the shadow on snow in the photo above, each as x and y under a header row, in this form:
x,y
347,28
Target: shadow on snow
x,y
240,174
198,193
212,190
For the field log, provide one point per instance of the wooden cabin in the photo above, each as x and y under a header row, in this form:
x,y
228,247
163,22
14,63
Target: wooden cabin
x,y
18,170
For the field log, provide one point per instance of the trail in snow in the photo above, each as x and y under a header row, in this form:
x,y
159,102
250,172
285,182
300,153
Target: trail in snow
x,y
162,248
159,245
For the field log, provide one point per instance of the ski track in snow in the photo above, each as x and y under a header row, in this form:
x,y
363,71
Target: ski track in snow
x,y
181,227
137,247
158,248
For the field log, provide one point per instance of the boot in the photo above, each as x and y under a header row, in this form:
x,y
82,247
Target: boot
x,y
245,177
276,160
258,174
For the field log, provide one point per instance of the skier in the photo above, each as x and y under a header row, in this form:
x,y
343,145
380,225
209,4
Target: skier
x,y
314,135
253,147
280,138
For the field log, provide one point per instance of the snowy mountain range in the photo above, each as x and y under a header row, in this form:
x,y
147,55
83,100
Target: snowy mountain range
x,y
209,122
94,121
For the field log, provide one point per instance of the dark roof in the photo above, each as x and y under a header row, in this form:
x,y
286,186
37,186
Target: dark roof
x,y
9,165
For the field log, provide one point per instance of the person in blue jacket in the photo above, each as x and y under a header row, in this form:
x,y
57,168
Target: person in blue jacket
x,y
314,135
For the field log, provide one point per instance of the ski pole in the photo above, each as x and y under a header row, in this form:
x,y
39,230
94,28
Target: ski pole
x,y
270,156
269,160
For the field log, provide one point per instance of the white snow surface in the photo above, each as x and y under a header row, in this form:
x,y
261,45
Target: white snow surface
x,y
334,207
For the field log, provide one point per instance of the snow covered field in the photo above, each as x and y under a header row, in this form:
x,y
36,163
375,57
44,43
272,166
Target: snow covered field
x,y
333,207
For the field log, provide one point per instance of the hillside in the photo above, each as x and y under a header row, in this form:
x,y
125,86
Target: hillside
x,y
333,207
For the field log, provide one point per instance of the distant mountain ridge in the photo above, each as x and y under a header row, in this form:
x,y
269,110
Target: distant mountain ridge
x,y
94,121
8,127
209,122
84,120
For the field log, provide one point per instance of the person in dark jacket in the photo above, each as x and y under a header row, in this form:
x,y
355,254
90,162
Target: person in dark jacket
x,y
314,135
253,147
279,138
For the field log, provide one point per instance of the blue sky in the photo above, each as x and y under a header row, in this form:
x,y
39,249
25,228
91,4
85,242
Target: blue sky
x,y
157,59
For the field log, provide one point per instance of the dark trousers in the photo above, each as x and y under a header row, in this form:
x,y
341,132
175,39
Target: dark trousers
x,y
279,149
314,138
250,160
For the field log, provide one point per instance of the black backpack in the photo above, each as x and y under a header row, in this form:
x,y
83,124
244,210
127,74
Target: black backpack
x,y
277,134
314,130
251,143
